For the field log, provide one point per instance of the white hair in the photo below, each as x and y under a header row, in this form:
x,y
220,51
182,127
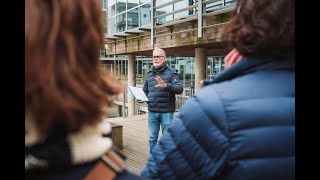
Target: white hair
x,y
160,50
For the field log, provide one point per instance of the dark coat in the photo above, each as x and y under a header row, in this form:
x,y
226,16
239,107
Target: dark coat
x,y
74,173
240,126
55,151
161,99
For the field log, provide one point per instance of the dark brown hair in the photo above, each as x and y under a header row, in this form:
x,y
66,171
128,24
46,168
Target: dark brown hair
x,y
262,27
64,84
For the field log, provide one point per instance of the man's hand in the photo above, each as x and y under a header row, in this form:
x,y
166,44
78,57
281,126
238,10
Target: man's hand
x,y
140,101
161,83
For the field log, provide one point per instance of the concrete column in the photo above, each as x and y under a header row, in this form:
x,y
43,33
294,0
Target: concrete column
x,y
200,67
131,82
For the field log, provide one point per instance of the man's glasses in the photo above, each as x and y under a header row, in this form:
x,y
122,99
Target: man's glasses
x,y
157,57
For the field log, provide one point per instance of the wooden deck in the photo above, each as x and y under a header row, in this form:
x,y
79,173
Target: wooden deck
x,y
135,141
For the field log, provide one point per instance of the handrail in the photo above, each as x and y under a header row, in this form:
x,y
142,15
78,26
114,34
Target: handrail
x,y
183,31
128,38
199,15
221,11
177,11
166,4
216,25
210,1
178,21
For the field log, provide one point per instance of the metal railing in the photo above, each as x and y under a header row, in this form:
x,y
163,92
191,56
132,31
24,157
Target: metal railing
x,y
200,10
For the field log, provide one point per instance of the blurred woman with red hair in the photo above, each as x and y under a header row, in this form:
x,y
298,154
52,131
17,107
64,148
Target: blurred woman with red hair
x,y
66,95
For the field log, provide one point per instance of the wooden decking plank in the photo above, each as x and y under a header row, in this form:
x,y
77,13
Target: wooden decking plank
x,y
135,141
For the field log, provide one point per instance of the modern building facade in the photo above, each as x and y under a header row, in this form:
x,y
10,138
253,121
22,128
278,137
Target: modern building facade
x,y
188,30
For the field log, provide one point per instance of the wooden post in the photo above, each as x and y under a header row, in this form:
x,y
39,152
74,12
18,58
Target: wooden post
x,y
117,135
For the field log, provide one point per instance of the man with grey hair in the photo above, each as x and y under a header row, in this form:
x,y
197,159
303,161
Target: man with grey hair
x,y
161,85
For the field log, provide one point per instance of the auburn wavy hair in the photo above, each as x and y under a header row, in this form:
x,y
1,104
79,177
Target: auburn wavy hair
x,y
262,27
64,85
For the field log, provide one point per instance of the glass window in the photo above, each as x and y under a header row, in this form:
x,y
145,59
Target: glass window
x,y
111,7
145,15
103,53
121,6
133,18
144,1
159,2
121,22
104,4
191,11
164,10
228,2
217,5
132,3
111,26
213,6
215,65
180,5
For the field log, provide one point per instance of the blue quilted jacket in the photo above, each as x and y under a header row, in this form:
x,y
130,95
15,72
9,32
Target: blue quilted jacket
x,y
240,126
161,99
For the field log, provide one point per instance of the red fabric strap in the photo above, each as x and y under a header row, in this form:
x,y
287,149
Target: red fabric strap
x,y
107,168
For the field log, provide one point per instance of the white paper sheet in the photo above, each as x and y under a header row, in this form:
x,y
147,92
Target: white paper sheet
x,y
138,93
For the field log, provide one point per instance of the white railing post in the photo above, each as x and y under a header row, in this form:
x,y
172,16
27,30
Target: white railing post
x,y
200,18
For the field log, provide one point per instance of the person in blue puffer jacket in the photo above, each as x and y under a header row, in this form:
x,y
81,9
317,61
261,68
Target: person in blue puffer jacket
x,y
241,125
161,86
